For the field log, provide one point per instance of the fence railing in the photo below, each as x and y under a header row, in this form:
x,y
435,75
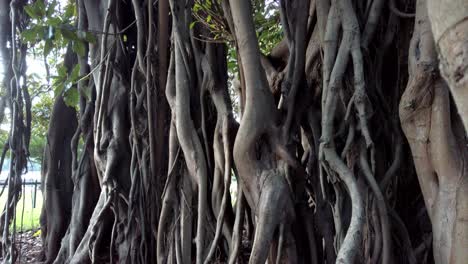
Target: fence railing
x,y
36,185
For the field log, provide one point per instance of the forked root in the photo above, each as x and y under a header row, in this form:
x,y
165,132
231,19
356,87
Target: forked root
x,y
272,211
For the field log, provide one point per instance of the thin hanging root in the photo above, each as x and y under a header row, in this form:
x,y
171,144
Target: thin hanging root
x,y
337,216
399,13
227,185
186,132
113,234
352,242
378,234
330,94
372,21
280,244
382,207
141,35
177,242
203,125
96,243
330,44
351,29
103,70
349,140
169,190
237,232
397,158
186,219
401,228
167,211
296,61
94,238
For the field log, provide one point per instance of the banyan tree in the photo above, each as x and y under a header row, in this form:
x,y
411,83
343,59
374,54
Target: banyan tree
x,y
343,123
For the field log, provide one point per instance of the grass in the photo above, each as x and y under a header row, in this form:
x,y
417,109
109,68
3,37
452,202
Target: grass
x,y
27,215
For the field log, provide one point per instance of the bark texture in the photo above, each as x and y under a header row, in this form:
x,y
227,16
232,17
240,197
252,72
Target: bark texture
x,y
449,21
347,147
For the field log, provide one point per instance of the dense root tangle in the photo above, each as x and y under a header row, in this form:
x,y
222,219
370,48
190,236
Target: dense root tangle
x,y
347,147
15,96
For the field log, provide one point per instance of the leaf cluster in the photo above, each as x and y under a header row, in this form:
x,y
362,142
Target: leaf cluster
x,y
53,28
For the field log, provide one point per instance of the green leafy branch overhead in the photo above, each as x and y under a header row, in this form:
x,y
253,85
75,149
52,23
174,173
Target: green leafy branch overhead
x,y
53,27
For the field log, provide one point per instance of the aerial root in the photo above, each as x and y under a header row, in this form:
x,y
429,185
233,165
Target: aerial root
x,y
227,184
238,222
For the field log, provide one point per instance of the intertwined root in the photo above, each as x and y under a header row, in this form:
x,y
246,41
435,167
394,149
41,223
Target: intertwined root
x,y
317,153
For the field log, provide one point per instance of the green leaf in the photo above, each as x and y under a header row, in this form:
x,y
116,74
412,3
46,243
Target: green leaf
x,y
40,7
36,10
58,36
79,48
192,24
51,8
62,71
75,74
54,21
71,97
68,34
69,10
231,65
43,32
196,7
208,18
58,86
29,9
89,37
48,45
29,34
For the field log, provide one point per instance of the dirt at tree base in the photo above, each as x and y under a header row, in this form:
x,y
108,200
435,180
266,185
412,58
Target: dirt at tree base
x,y
29,245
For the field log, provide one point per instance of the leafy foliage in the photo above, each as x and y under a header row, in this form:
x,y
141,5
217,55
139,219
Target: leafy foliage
x,y
53,27
49,32
268,27
41,114
269,34
207,13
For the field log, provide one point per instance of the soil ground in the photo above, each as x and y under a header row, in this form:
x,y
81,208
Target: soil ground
x,y
29,245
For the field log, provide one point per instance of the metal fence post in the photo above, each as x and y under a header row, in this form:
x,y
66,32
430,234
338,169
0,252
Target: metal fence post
x,y
35,192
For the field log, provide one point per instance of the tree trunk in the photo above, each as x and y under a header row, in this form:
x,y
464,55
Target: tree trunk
x,y
450,27
437,142
57,184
